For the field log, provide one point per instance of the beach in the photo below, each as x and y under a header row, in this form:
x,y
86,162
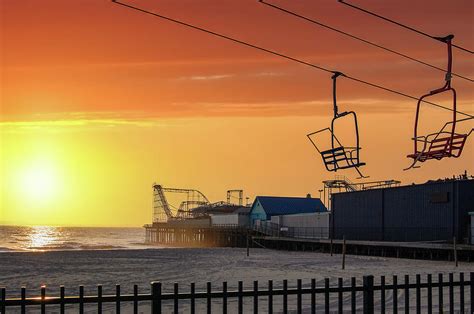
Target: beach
x,y
182,265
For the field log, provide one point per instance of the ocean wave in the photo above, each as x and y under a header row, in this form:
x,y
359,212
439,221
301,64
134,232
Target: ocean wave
x,y
101,247
78,247
137,243
6,249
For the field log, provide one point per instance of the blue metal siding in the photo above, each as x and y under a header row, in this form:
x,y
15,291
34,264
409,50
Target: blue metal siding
x,y
358,216
465,201
411,215
426,212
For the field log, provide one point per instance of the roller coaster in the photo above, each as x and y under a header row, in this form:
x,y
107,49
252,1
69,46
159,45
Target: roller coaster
x,y
194,204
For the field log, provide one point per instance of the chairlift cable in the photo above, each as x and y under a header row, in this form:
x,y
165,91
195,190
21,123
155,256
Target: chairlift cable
x,y
282,55
401,24
362,39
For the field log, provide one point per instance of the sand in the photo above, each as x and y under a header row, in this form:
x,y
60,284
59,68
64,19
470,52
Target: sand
x,y
129,267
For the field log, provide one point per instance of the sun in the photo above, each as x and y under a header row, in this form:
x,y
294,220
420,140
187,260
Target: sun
x,y
39,182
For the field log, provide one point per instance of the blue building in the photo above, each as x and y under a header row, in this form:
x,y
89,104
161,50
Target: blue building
x,y
433,211
264,207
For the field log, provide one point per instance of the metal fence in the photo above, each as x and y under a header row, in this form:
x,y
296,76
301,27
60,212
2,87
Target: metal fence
x,y
342,296
393,234
276,230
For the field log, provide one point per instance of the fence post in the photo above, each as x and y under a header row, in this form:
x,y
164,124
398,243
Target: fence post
x,y
255,296
23,298
209,297
81,299
270,297
368,286
240,297
135,299
62,295
343,252
156,297
176,298
99,299
224,297
330,247
43,297
117,301
471,290
248,244
455,252
193,302
326,295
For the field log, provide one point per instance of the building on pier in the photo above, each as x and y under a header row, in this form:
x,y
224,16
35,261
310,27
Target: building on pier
x,y
264,207
433,211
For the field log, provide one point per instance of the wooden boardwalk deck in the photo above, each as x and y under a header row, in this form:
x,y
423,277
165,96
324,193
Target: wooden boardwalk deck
x,y
417,250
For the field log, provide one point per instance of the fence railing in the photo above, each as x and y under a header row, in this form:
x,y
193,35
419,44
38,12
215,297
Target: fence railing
x,y
393,234
276,230
364,296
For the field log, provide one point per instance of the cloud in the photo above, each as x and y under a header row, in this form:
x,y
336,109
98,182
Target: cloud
x,y
268,74
214,77
181,111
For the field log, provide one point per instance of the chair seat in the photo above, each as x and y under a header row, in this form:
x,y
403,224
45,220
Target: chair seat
x,y
441,147
340,158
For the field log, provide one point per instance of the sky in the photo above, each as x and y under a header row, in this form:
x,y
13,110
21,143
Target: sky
x,y
98,101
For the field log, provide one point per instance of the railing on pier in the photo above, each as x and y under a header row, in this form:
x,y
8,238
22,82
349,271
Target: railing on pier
x,y
352,295
276,230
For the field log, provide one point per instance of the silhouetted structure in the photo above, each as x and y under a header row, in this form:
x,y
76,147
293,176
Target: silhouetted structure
x,y
435,211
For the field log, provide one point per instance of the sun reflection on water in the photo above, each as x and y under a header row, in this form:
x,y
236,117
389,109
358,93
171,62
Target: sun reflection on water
x,y
43,237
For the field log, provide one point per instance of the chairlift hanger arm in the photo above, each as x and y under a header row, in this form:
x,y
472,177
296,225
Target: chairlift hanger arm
x,y
275,53
401,25
334,98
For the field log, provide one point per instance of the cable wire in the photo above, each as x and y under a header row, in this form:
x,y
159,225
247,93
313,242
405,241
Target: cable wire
x,y
283,56
401,25
361,39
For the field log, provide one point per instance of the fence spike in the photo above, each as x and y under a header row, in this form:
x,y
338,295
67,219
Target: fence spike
x,y
224,297
193,302
99,299
368,293
240,297
3,299
43,298
176,299
62,295
156,297
117,300
135,299
23,298
270,296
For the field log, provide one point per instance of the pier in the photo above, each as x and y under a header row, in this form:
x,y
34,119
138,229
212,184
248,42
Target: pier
x,y
225,236
233,236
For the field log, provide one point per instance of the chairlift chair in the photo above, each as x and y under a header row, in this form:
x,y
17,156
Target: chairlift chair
x,y
445,143
339,156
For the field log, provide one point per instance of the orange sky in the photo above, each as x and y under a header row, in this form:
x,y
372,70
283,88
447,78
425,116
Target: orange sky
x,y
112,100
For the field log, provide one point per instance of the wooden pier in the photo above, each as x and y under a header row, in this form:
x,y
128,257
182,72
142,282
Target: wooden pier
x,y
233,236
226,236
411,250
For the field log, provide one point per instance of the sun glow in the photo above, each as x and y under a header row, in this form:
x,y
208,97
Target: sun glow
x,y
41,237
39,182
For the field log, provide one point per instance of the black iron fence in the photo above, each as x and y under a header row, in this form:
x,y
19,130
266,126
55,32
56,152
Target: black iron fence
x,y
366,295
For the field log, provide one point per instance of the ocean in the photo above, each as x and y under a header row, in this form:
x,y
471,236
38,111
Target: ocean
x,y
48,238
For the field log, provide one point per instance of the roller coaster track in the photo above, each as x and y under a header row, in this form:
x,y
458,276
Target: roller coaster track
x,y
162,210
